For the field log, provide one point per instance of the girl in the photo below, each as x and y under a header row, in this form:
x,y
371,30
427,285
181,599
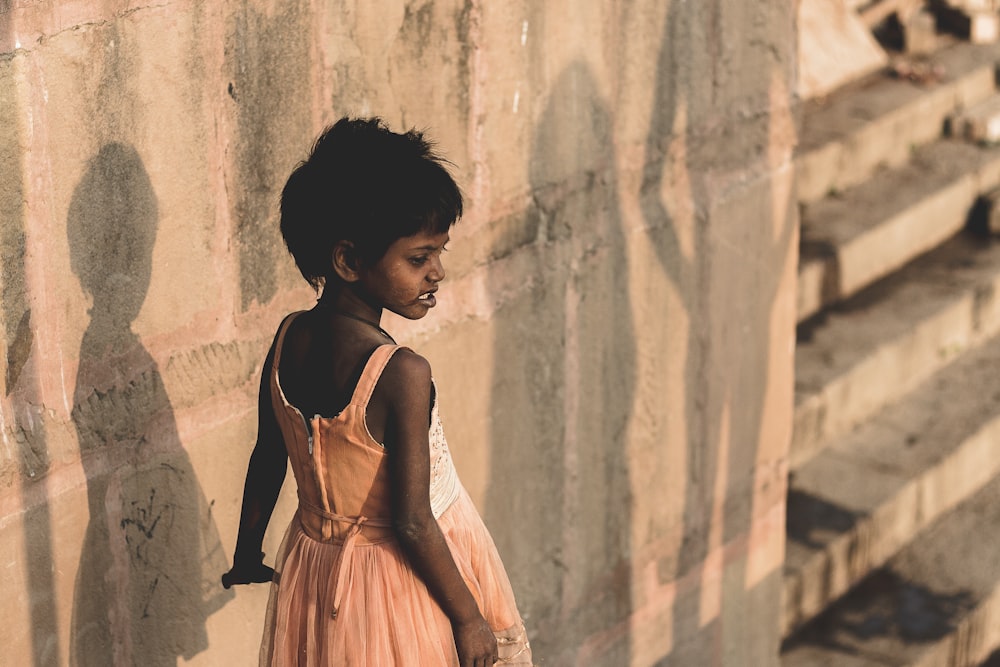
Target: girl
x,y
386,562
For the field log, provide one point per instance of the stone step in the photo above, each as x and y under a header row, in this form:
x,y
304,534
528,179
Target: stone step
x,y
856,237
875,122
872,349
980,122
934,604
866,495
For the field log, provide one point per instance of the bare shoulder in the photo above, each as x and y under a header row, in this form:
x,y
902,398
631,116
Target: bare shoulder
x,y
407,368
406,378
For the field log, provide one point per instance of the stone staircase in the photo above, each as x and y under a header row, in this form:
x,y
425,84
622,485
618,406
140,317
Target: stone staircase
x,y
893,549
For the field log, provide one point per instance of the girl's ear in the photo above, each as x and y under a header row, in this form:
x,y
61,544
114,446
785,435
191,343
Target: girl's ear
x,y
345,261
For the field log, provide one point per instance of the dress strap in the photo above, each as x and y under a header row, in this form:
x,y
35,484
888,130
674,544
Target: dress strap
x,y
282,330
372,372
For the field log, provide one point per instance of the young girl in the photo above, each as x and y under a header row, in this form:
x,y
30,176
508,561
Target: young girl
x,y
386,562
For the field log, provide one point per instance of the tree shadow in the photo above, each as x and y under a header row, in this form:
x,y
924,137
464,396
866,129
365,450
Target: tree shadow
x,y
886,605
147,577
810,516
726,264
558,500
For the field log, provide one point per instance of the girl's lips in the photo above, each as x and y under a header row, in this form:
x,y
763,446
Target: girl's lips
x,y
428,300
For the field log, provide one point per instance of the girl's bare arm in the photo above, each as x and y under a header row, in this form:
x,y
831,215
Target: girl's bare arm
x,y
406,385
265,475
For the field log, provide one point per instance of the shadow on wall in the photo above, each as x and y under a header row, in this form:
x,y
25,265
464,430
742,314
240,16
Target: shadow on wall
x,y
147,576
20,381
887,604
558,496
729,290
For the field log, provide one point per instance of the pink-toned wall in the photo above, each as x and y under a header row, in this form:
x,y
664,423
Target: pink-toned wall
x,y
614,342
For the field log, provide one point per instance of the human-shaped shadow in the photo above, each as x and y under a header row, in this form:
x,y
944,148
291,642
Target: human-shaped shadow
x,y
729,283
147,576
563,387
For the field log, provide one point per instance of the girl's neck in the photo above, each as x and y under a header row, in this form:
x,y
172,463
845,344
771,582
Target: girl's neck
x,y
351,316
342,299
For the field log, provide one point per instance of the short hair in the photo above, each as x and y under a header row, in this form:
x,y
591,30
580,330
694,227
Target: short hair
x,y
368,185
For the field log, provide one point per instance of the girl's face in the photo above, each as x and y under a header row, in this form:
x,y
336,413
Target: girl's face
x,y
407,275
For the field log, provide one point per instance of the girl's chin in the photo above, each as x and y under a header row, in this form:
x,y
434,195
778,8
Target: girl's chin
x,y
418,309
416,313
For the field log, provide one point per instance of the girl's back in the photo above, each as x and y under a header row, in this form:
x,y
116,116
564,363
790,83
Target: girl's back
x,y
338,464
322,358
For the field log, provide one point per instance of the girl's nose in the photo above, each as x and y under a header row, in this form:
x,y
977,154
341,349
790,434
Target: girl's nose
x,y
437,272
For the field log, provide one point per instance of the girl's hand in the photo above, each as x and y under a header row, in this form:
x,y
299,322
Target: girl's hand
x,y
248,572
476,644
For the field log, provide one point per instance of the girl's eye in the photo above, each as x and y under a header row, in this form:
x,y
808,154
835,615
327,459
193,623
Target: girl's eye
x,y
418,261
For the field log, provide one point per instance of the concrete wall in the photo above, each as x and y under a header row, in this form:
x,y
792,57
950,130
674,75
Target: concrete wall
x,y
614,341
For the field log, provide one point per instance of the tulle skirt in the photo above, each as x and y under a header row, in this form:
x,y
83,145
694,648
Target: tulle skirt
x,y
386,616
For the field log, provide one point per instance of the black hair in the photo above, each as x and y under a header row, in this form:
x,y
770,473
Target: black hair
x,y
368,185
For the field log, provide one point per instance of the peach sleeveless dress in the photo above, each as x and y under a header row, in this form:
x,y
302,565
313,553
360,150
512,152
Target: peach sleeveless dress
x,y
344,593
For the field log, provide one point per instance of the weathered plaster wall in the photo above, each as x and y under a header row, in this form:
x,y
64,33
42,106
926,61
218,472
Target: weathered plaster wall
x,y
614,341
